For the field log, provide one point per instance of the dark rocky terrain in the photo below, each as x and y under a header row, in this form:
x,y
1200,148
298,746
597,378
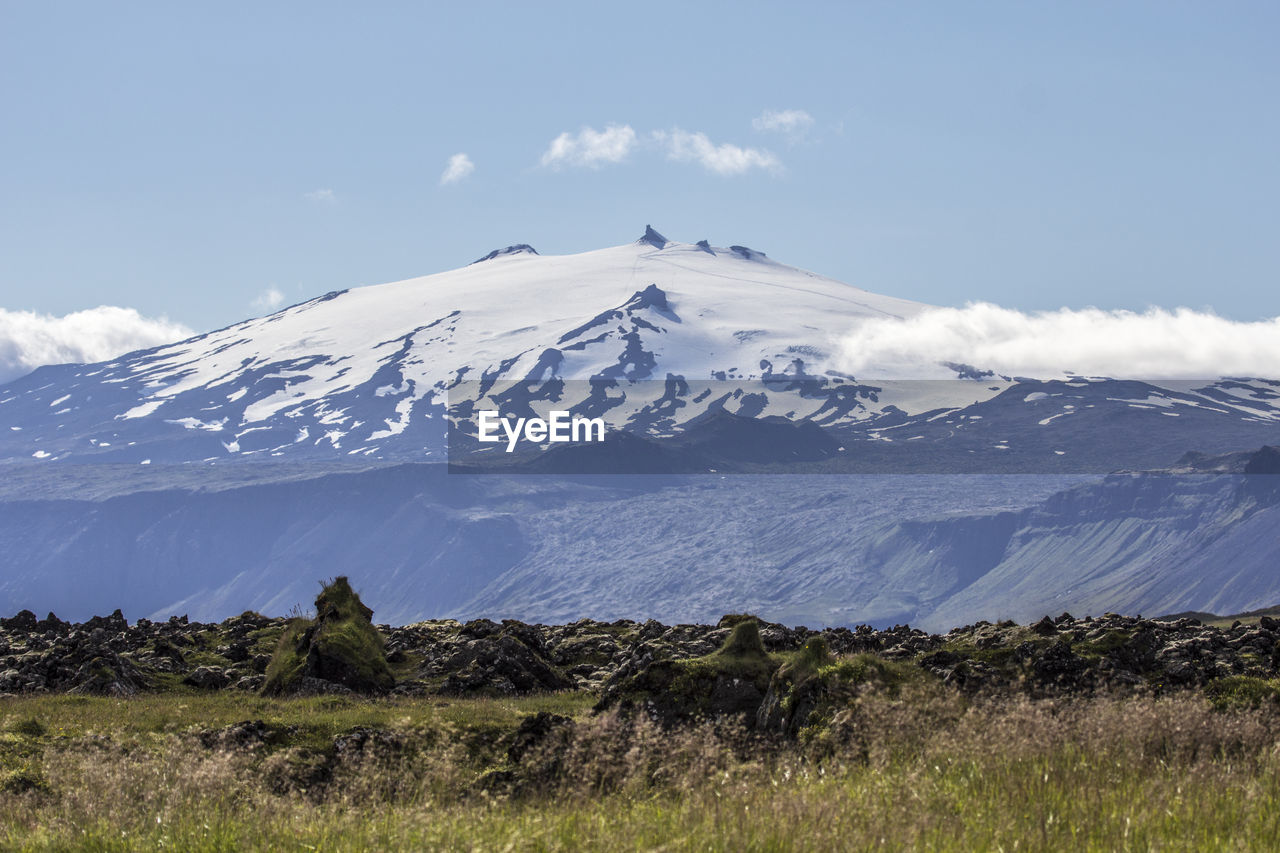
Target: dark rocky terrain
x,y
109,656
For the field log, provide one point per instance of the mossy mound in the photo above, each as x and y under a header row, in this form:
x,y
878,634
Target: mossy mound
x,y
744,641
729,682
812,686
339,649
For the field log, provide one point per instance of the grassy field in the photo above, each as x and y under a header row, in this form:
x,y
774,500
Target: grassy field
x,y
925,769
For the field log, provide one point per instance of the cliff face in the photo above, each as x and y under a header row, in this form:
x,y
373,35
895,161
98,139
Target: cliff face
x,y
933,551
1133,543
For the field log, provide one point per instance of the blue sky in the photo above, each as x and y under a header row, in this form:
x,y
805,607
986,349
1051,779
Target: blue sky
x,y
185,161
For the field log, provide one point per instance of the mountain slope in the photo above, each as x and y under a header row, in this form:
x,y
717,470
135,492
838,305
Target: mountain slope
x,y
652,335
425,543
711,360
934,551
365,371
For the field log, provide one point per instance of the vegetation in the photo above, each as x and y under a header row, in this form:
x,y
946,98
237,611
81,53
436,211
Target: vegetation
x,y
732,680
927,770
289,658
340,646
1242,691
1108,733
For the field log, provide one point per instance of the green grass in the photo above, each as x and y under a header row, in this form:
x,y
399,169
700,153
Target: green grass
x,y
1242,691
71,717
930,772
872,670
1102,646
1000,657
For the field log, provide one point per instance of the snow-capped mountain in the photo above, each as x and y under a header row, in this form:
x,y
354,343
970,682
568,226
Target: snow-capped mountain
x,y
651,335
708,359
366,371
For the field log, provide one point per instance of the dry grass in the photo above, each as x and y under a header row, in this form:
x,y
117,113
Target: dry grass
x,y
922,770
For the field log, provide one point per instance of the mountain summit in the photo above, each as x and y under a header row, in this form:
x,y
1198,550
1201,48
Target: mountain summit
x,y
365,372
652,238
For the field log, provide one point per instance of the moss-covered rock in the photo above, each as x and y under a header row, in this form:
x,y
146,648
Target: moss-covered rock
x,y
811,689
729,682
795,690
340,647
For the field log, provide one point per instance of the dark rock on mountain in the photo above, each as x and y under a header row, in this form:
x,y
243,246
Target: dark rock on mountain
x,y
653,238
517,249
721,438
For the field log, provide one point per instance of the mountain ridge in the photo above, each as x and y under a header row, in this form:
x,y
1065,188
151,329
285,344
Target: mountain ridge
x,y
654,333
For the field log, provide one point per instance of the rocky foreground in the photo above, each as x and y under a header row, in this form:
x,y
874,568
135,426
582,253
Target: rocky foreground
x,y
107,655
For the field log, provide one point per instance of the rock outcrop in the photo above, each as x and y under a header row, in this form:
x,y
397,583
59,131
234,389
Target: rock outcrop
x,y
339,651
674,671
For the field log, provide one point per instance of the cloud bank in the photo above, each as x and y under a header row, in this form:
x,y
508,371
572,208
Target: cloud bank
x,y
590,147
724,159
459,167
29,340
1155,344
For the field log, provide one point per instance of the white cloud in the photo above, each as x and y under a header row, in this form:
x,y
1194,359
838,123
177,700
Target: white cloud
x,y
321,197
29,340
268,300
723,159
1155,344
590,147
793,123
459,167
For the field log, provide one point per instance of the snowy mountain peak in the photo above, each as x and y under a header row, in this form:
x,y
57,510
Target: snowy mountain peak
x,y
373,372
517,249
653,238
369,371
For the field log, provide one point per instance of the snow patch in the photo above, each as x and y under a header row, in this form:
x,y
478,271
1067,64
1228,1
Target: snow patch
x,y
141,410
196,423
